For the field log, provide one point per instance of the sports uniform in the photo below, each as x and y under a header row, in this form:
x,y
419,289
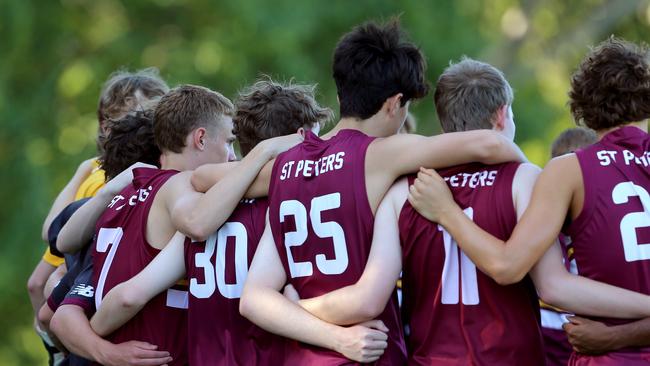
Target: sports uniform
x,y
322,224
216,270
611,233
456,314
122,251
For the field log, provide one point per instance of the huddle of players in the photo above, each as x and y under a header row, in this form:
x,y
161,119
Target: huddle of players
x,y
171,297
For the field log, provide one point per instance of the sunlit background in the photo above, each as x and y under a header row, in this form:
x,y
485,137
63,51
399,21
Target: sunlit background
x,y
54,56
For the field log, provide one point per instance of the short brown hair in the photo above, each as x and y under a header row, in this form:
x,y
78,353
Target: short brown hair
x,y
184,109
131,140
468,95
269,109
611,86
571,140
118,95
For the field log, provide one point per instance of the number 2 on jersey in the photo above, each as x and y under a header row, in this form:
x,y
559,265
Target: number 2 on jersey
x,y
634,251
328,229
451,272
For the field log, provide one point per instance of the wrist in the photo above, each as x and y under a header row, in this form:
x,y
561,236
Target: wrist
x,y
99,351
449,216
615,337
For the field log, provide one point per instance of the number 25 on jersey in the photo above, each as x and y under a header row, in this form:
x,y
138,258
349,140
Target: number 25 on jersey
x,y
328,229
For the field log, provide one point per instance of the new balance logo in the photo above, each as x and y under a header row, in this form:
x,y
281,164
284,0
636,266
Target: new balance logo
x,y
83,290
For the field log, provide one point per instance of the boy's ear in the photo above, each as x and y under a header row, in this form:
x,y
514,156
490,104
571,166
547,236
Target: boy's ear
x,y
198,138
393,104
500,118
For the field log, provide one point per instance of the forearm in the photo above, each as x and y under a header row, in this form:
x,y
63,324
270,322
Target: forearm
x,y
71,327
115,311
635,334
81,226
344,306
584,296
204,214
488,253
497,150
273,312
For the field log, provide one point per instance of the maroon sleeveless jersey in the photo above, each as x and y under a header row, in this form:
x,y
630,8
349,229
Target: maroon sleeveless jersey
x,y
611,236
122,251
456,314
216,270
322,224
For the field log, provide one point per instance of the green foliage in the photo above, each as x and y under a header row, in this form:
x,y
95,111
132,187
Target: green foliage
x,y
56,54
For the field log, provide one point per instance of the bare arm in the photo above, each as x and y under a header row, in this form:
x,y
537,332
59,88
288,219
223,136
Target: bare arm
x,y
125,300
534,234
367,298
208,175
577,294
199,215
71,326
391,157
591,337
262,304
81,226
67,194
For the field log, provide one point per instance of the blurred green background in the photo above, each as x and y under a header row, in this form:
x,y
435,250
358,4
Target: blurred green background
x,y
54,56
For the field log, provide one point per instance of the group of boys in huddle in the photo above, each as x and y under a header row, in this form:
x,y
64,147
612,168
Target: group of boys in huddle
x,y
176,253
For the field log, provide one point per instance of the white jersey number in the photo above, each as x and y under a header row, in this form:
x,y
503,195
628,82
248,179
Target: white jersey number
x,y
111,237
328,229
452,271
106,238
634,251
215,276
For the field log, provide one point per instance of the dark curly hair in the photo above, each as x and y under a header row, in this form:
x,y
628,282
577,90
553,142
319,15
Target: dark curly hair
x,y
372,63
269,109
612,85
131,140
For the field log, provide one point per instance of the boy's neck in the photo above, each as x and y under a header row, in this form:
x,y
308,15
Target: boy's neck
x,y
176,161
642,125
371,127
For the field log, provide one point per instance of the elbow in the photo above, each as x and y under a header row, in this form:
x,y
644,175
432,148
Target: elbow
x,y
370,310
45,316
57,324
245,306
129,299
196,231
63,245
197,181
36,285
504,274
490,146
548,292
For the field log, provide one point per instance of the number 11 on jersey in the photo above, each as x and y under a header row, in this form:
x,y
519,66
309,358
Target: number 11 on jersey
x,y
455,270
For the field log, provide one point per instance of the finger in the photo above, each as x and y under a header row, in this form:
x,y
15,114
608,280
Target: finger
x,y
154,361
575,319
376,335
568,327
378,324
377,345
374,352
414,192
152,354
429,172
145,345
424,178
